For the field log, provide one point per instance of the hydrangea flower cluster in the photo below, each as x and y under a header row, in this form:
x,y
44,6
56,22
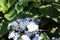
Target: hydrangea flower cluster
x,y
28,26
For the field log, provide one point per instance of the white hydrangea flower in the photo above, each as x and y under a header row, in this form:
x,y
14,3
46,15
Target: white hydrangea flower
x,y
11,35
25,37
37,37
13,24
16,36
32,26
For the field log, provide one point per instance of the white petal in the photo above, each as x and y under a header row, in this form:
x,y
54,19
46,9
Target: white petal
x,y
9,26
16,36
11,35
32,27
14,24
25,37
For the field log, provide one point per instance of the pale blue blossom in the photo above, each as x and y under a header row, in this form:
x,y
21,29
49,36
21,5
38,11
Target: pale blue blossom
x,y
25,37
14,35
28,33
37,37
13,24
20,20
22,26
27,19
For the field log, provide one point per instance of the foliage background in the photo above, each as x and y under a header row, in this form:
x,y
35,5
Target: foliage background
x,y
46,10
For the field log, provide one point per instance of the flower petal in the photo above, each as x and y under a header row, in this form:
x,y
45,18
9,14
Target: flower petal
x,y
25,37
11,35
32,27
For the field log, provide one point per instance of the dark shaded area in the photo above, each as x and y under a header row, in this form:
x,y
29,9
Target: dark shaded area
x,y
48,27
51,24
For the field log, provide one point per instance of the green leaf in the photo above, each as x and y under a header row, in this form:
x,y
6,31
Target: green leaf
x,y
58,19
3,6
49,11
18,8
11,15
58,8
53,1
50,0
53,30
0,26
4,28
44,36
58,1
10,3
36,0
55,19
36,5
6,4
20,36
44,21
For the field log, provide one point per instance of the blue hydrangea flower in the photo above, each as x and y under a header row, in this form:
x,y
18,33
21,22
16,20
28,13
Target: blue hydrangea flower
x,y
37,37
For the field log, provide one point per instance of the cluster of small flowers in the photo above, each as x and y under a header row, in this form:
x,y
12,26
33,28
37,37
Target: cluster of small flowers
x,y
28,25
